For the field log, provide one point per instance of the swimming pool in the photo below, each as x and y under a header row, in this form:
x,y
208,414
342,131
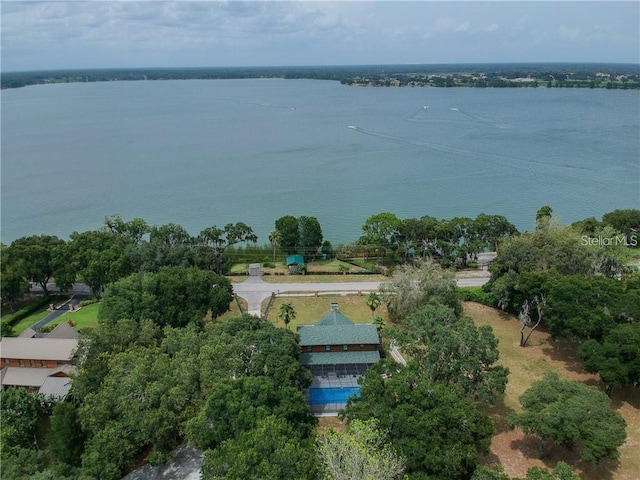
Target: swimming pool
x,y
331,395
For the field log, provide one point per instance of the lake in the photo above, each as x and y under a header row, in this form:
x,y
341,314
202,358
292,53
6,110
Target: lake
x,y
209,152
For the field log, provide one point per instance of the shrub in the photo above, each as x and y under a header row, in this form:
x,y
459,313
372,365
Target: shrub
x,y
88,301
28,310
468,294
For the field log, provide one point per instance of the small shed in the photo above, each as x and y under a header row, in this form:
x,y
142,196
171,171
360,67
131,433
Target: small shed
x,y
293,261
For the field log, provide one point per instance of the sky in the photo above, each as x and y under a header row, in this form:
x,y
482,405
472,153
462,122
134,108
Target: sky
x,y
41,35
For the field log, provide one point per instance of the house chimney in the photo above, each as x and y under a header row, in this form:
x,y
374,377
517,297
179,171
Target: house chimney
x,y
334,306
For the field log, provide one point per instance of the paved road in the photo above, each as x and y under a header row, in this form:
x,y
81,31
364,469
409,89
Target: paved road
x,y
254,290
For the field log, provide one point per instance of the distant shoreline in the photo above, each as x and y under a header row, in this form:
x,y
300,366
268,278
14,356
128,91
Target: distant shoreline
x,y
512,75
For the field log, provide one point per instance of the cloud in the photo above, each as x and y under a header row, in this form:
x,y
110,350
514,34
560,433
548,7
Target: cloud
x,y
494,27
206,33
450,25
569,33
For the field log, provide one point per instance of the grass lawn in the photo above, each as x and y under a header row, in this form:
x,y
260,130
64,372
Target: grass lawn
x,y
25,323
86,317
516,451
312,278
332,265
311,309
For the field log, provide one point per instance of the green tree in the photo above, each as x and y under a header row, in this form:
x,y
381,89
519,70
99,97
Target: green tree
x,y
543,213
562,471
361,453
65,438
617,358
570,414
169,245
288,228
131,237
373,302
310,235
134,230
273,449
286,313
20,463
97,346
109,452
453,350
220,239
98,259
173,296
434,426
13,284
380,229
556,248
627,222
420,233
491,229
20,411
238,405
576,306
33,257
413,286
327,249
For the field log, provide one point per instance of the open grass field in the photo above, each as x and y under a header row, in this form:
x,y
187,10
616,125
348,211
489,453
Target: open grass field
x,y
311,309
517,452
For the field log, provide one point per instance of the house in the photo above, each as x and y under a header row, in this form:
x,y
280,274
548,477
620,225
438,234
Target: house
x,y
337,352
39,364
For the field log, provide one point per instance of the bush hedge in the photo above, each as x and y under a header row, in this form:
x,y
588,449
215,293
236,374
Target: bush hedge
x,y
478,295
28,310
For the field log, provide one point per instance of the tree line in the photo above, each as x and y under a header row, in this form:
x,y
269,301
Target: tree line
x,y
345,73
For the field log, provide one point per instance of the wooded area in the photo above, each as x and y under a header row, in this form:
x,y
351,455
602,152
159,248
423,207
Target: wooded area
x,y
162,369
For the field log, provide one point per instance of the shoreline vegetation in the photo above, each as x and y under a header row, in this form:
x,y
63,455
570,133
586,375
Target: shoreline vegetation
x,y
505,75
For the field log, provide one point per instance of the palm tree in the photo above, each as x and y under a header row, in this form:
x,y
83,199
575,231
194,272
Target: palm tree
x,y
275,237
379,323
373,302
287,313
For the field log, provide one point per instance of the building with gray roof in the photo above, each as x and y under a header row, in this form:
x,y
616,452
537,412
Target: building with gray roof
x,y
39,364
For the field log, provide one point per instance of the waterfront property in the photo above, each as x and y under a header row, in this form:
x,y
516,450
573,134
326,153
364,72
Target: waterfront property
x,y
338,352
37,363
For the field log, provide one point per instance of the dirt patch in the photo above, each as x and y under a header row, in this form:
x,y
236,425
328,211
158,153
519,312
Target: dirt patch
x,y
327,423
518,452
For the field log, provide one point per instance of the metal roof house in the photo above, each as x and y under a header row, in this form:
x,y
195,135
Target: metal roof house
x,y
39,364
338,352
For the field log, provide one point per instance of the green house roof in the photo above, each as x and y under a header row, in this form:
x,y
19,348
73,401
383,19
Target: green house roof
x,y
353,334
333,318
337,358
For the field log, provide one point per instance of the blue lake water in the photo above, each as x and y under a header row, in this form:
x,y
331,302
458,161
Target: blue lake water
x,y
201,153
